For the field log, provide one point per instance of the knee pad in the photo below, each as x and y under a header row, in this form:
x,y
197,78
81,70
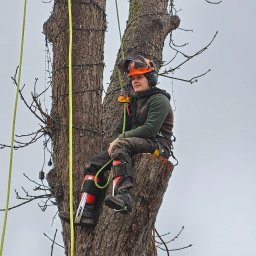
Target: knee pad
x,y
89,186
90,169
121,169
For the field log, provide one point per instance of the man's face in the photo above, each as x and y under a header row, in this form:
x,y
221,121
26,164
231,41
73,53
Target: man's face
x,y
140,83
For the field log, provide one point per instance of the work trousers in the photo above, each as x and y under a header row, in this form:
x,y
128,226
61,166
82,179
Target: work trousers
x,y
123,150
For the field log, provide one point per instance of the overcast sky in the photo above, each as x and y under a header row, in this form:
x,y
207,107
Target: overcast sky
x,y
212,190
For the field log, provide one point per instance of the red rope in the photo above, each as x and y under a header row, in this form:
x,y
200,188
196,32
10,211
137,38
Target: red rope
x,y
154,239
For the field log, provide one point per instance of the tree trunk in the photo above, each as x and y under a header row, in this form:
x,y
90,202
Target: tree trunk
x,y
148,26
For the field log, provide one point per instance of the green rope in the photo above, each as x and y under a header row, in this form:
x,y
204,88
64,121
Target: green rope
x,y
119,28
122,53
72,240
124,122
13,129
98,173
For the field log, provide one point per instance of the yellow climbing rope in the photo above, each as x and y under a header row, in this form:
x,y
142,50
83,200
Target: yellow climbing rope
x,y
71,210
13,129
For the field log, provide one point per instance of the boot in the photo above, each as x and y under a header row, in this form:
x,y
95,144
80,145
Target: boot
x,y
122,182
88,217
122,201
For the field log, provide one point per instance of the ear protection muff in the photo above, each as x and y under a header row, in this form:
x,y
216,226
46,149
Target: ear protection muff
x,y
152,76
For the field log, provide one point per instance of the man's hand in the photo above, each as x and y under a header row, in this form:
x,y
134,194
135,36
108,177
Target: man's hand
x,y
111,146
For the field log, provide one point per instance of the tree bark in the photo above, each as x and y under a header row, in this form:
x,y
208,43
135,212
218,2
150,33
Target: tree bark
x,y
147,27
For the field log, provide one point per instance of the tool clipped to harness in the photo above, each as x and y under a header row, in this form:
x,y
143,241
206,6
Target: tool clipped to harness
x,y
160,150
124,97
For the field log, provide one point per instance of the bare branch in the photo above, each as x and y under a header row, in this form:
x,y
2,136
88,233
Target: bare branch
x,y
176,54
164,235
33,139
54,217
2,146
44,91
26,202
36,136
29,198
185,29
172,250
191,81
23,99
26,135
181,45
45,204
166,247
53,241
177,236
212,2
38,184
188,57
38,106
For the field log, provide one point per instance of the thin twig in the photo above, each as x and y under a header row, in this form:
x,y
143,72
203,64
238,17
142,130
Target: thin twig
x,y
36,182
213,2
172,250
188,57
54,241
22,145
166,247
186,29
170,60
191,81
177,236
28,201
26,135
23,99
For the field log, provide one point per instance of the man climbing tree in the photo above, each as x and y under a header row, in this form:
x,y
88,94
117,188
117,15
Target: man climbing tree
x,y
145,127
148,129
148,25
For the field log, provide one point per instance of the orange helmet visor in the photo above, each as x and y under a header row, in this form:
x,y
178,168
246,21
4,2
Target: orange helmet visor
x,y
139,71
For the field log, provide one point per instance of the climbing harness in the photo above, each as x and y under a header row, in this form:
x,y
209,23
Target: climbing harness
x,y
13,128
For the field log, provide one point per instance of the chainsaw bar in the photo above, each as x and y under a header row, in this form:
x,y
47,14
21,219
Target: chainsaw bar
x,y
80,208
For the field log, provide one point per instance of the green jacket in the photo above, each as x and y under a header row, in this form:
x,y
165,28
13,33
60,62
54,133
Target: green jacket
x,y
149,115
